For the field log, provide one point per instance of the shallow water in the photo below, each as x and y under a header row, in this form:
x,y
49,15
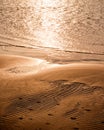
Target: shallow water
x,y
58,31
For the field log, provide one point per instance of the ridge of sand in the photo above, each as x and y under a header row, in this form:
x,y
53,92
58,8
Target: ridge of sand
x,y
64,97
16,66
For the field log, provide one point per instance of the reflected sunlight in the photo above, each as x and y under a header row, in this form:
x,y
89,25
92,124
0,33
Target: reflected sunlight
x,y
50,2
50,24
54,3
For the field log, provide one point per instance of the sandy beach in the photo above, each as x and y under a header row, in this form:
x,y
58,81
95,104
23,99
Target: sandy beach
x,y
51,64
37,95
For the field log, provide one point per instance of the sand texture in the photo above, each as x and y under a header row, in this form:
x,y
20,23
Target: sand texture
x,y
51,64
35,95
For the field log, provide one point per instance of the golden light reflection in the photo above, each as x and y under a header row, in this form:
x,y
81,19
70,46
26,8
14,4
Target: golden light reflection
x,y
57,3
50,3
50,23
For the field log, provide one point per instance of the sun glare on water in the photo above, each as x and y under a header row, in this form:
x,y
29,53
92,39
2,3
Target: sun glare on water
x,y
50,2
50,23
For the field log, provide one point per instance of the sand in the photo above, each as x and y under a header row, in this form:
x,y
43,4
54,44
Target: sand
x,y
37,95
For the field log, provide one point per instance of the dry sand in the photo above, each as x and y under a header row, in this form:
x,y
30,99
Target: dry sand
x,y
35,95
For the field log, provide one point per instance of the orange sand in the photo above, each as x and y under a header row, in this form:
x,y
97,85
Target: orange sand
x,y
36,95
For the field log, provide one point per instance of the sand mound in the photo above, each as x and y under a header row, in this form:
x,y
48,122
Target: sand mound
x,y
7,61
13,66
65,97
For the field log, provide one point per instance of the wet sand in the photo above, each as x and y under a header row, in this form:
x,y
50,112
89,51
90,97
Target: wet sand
x,y
46,94
36,95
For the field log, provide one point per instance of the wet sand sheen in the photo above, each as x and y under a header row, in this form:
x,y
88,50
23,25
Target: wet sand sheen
x,y
36,95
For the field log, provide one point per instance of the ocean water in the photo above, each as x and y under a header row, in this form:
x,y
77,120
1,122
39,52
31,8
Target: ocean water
x,y
60,31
